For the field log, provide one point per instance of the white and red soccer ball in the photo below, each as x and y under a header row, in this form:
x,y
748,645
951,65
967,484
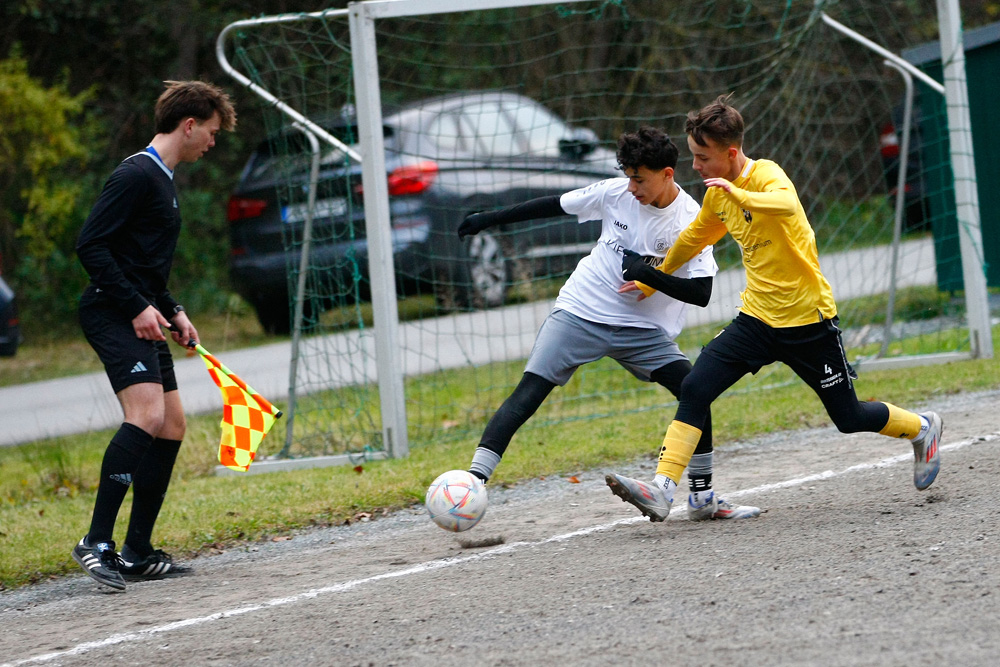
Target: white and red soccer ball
x,y
456,500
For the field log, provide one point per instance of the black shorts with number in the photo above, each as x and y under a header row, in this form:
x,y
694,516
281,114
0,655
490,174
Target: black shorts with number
x,y
127,359
814,352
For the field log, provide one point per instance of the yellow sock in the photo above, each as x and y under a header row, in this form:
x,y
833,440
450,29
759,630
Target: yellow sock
x,y
902,423
678,446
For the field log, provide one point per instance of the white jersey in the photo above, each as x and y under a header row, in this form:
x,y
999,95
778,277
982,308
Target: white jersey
x,y
591,292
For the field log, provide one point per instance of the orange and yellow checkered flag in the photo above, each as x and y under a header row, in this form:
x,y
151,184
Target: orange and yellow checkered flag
x,y
246,417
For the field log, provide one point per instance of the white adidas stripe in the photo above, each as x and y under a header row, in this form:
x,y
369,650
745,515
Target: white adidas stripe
x,y
153,569
157,568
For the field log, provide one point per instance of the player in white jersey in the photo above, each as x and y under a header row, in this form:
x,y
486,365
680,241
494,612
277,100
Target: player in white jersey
x,y
597,314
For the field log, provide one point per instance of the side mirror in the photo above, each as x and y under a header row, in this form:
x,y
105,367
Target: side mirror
x,y
581,142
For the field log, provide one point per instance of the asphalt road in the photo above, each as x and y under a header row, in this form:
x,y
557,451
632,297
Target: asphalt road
x,y
85,402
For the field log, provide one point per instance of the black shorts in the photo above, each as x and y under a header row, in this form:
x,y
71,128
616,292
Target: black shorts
x,y
814,351
127,359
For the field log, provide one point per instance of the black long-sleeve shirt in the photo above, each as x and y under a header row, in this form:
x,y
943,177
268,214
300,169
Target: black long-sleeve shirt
x,y
127,243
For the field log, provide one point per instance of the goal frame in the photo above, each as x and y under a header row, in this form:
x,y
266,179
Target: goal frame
x,y
362,17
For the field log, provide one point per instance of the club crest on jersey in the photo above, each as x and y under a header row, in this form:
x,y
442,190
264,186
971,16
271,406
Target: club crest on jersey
x,y
747,215
659,245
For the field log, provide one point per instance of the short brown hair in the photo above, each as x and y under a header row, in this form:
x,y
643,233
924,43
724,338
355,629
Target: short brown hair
x,y
719,121
191,99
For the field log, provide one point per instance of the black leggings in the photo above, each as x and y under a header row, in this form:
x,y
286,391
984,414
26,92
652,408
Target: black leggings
x,y
814,352
533,389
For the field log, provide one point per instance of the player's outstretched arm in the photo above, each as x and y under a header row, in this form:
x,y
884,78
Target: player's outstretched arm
x,y
533,209
776,198
696,291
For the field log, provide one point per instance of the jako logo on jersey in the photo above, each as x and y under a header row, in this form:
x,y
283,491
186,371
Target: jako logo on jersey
x,y
620,224
721,215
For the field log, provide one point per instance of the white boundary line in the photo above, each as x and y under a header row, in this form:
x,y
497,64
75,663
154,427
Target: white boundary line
x,y
459,560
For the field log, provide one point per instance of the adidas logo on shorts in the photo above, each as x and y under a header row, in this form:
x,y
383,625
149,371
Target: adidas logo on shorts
x,y
123,478
139,367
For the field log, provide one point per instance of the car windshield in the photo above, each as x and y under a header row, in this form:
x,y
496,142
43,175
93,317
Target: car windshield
x,y
486,127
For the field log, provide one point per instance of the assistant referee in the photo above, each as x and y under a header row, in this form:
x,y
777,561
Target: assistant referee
x,y
127,247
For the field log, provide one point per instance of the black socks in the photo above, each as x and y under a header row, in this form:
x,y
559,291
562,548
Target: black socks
x,y
149,486
121,459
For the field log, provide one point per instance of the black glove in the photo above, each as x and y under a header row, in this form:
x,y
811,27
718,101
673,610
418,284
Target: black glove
x,y
634,267
689,290
475,223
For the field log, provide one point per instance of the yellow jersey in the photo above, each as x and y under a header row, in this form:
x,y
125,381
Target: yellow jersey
x,y
785,287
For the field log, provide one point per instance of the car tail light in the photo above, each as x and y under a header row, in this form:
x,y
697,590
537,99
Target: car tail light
x,y
888,141
409,180
412,180
241,208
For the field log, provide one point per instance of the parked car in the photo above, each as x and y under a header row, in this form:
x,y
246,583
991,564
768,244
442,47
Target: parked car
x,y
10,330
445,157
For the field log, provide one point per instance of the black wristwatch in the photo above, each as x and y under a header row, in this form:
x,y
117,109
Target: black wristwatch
x,y
178,309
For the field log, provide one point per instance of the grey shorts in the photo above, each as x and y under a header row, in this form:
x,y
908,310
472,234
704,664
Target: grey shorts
x,y
565,342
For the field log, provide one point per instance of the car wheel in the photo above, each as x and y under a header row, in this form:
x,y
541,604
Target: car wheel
x,y
477,278
487,270
275,313
274,316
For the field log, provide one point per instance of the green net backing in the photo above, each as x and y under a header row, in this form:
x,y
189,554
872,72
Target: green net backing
x,y
815,102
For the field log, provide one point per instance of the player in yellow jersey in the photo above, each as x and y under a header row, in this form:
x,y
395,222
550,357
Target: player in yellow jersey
x,y
788,312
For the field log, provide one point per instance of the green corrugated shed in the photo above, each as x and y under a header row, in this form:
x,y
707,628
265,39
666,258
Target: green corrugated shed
x,y
982,69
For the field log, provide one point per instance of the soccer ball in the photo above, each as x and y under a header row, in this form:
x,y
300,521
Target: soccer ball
x,y
456,500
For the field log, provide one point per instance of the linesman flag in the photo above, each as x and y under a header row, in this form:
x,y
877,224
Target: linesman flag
x,y
246,417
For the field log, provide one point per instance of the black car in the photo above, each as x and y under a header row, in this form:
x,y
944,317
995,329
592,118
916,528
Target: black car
x,y
445,157
10,330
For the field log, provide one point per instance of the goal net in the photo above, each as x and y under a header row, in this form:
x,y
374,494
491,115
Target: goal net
x,y
487,108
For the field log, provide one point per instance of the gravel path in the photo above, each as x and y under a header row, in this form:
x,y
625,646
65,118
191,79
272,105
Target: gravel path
x,y
848,565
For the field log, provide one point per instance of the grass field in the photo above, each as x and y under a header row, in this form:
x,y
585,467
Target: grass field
x,y
47,488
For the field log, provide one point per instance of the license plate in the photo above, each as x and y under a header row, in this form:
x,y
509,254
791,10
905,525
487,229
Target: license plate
x,y
325,208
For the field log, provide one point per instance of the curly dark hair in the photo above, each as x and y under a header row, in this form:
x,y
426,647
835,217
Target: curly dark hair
x,y
719,121
648,147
